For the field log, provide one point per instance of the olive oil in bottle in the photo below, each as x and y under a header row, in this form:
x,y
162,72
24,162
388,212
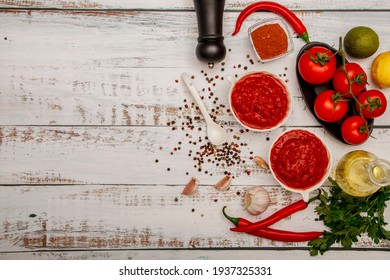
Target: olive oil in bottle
x,y
361,173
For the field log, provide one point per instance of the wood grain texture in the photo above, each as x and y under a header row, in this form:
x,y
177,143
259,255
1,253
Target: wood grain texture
x,y
120,155
139,217
98,136
95,72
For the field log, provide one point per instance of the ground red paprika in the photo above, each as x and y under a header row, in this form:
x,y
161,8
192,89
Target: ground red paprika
x,y
269,41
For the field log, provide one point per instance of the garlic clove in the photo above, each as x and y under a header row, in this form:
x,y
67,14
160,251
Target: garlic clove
x,y
261,162
224,183
191,186
256,200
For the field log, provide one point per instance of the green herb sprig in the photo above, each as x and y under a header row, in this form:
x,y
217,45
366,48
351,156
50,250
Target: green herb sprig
x,y
349,217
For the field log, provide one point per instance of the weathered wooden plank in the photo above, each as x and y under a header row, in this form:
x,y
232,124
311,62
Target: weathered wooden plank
x,y
188,4
139,217
155,100
74,36
121,155
90,68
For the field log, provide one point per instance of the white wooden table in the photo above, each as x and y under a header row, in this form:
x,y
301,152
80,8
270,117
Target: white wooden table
x,y
96,142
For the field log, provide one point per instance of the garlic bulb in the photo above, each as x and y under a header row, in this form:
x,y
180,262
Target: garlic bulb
x,y
256,200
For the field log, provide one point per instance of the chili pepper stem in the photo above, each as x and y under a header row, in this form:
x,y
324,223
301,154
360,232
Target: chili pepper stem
x,y
232,219
305,36
314,198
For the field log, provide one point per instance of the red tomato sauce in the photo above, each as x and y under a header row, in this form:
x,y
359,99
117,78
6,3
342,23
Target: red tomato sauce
x,y
259,100
299,159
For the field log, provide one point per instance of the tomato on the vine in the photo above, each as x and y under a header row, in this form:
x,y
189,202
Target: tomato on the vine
x,y
329,106
317,65
354,130
373,103
356,75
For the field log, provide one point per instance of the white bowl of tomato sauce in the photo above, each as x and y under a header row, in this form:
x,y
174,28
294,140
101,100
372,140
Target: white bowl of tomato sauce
x,y
259,101
300,161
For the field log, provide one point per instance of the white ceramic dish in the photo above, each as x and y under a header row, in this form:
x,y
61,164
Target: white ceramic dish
x,y
234,81
304,192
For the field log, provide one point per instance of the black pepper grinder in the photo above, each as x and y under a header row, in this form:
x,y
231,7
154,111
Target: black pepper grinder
x,y
210,48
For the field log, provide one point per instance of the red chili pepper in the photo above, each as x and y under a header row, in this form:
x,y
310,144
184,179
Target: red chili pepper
x,y
287,236
288,15
277,216
275,234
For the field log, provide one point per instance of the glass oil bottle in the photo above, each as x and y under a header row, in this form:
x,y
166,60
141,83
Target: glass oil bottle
x,y
361,173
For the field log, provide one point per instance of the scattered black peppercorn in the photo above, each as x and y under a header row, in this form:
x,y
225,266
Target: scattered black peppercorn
x,y
203,153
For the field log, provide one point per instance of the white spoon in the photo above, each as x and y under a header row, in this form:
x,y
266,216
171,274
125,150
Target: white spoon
x,y
216,134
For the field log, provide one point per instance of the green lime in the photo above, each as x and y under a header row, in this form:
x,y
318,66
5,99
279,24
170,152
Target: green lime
x,y
361,42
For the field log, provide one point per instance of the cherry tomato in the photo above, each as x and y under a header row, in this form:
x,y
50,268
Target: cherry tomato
x,y
374,103
357,76
355,130
317,65
329,106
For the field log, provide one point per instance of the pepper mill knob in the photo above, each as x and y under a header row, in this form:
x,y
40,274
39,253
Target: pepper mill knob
x,y
210,48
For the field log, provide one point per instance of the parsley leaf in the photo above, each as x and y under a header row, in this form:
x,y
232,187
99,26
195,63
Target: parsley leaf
x,y
349,217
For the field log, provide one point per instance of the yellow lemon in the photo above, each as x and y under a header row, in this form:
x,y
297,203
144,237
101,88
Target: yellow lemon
x,y
380,71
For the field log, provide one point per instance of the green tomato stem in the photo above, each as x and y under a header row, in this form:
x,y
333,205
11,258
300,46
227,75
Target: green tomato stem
x,y
342,54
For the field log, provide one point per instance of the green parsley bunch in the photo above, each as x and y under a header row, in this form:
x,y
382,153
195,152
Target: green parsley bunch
x,y
349,217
